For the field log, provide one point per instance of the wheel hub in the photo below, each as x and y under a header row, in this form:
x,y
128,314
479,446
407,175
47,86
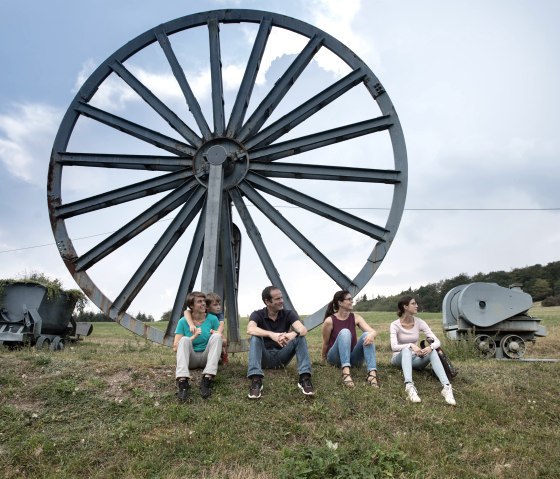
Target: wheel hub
x,y
221,151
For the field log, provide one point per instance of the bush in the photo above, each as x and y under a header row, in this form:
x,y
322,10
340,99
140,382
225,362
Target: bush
x,y
551,301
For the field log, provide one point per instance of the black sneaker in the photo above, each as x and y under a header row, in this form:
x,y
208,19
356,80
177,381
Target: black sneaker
x,y
255,388
305,385
206,385
182,389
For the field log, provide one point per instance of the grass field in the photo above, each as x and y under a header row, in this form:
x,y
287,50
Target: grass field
x,y
106,407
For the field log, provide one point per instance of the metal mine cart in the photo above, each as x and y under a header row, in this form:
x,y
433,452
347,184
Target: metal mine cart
x,y
28,316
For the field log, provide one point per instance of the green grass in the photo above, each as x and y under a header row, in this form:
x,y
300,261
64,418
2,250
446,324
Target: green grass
x,y
106,407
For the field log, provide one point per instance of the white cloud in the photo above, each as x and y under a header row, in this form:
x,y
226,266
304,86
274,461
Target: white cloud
x,y
281,42
114,94
26,136
338,19
232,75
87,69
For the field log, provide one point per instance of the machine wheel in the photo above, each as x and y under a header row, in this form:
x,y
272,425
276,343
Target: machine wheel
x,y
513,346
57,344
218,160
485,345
42,343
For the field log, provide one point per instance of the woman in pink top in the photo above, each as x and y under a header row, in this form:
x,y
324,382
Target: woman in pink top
x,y
341,347
405,333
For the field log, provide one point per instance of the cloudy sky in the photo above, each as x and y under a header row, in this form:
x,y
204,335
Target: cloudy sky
x,y
475,85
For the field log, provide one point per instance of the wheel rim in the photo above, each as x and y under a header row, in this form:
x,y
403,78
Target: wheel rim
x,y
513,346
211,171
42,343
485,345
57,344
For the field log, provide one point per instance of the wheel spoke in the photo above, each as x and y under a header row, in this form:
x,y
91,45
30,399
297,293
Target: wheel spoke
x,y
246,88
319,140
179,74
260,248
202,166
304,111
127,162
282,86
192,265
123,195
320,172
289,230
320,208
216,77
159,251
163,110
136,226
133,129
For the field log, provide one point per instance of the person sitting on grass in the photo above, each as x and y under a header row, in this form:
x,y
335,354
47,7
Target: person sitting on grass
x,y
277,334
341,347
198,349
405,333
214,307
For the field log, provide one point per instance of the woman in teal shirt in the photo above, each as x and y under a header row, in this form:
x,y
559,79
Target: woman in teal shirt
x,y
200,349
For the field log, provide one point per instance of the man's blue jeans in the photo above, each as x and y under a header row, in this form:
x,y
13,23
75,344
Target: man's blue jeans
x,y
260,357
340,354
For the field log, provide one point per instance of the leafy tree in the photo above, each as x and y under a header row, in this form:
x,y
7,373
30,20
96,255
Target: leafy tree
x,y
145,318
91,317
556,287
539,288
551,301
428,297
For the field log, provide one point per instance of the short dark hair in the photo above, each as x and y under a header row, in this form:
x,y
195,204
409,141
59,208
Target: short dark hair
x,y
267,293
210,297
192,296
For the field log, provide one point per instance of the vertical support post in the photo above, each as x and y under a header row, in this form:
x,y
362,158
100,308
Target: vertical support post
x,y
230,278
212,228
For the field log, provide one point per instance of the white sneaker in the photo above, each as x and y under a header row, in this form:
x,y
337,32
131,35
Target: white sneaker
x,y
447,393
411,393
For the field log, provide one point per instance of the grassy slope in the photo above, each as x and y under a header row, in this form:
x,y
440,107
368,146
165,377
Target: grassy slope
x,y
106,408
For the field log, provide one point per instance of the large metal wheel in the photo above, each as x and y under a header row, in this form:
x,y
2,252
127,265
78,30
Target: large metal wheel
x,y
485,345
513,346
43,343
202,169
57,344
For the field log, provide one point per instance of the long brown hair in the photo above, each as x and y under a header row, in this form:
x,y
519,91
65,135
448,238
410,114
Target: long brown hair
x,y
404,301
338,297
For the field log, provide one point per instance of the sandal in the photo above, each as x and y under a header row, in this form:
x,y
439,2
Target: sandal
x,y
347,380
372,379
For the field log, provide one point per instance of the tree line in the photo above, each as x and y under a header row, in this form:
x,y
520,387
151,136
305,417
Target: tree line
x,y
100,317
541,282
